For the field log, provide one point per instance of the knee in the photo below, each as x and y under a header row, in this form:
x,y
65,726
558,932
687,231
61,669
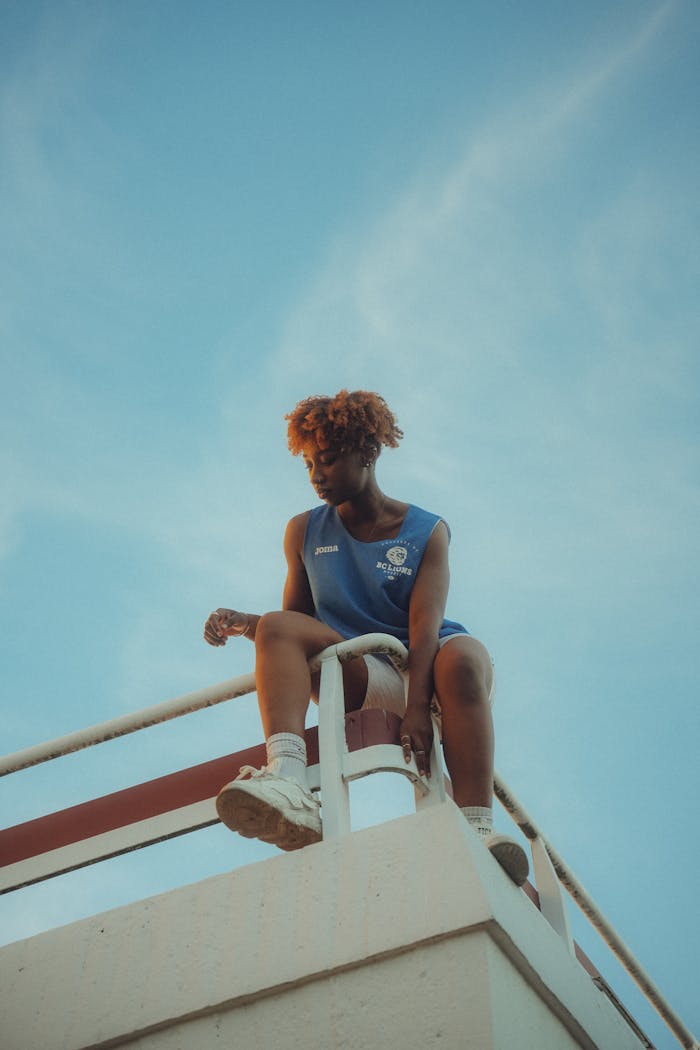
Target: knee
x,y
272,627
469,680
293,629
463,676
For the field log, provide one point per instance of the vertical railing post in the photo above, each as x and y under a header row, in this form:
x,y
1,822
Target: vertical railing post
x,y
332,746
552,903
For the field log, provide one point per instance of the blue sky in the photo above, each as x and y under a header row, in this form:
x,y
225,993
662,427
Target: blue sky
x,y
488,212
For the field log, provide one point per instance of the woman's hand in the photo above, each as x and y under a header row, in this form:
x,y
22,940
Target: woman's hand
x,y
416,735
223,624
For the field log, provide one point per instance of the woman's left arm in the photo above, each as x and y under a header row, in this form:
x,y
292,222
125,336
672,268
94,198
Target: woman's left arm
x,y
426,613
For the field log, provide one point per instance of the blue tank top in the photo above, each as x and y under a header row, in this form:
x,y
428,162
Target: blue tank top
x,y
358,587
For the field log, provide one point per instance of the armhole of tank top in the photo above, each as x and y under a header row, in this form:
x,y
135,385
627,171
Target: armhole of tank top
x,y
449,530
303,540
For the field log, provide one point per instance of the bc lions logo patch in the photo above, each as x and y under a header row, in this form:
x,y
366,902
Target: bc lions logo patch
x,y
394,567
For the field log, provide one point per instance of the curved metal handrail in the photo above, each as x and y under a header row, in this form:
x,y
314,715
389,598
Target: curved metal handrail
x,y
346,651
187,704
595,916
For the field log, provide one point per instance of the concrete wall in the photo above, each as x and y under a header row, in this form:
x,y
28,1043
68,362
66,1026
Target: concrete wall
x,y
438,995
403,935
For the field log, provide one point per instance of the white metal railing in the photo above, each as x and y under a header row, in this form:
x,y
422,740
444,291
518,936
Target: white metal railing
x,y
184,705
550,871
594,915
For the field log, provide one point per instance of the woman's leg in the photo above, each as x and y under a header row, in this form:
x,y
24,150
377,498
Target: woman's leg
x,y
284,642
463,676
274,803
463,681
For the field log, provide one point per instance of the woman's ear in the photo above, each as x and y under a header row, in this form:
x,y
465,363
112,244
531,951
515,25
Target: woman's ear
x,y
370,457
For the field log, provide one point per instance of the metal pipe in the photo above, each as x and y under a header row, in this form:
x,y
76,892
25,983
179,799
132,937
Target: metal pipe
x,y
596,918
184,705
366,643
115,727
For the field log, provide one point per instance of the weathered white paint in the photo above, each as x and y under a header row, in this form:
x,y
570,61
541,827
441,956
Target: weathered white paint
x,y
395,936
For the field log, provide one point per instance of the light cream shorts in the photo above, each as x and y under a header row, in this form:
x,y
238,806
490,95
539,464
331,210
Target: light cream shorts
x,y
386,686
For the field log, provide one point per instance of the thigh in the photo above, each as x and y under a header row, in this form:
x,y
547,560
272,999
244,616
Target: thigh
x,y
305,632
313,636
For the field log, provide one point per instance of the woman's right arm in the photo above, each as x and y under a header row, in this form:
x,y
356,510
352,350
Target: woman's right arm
x,y
296,596
227,623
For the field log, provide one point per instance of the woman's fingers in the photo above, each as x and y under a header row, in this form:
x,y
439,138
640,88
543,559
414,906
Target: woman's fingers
x,y
214,628
223,623
422,761
421,749
231,622
211,633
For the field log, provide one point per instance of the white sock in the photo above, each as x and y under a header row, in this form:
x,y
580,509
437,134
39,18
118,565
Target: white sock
x,y
286,757
480,818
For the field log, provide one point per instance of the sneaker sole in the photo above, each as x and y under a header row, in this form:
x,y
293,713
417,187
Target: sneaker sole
x,y
512,859
292,836
254,818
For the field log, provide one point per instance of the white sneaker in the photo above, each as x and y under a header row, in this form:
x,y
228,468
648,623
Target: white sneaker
x,y
261,805
510,855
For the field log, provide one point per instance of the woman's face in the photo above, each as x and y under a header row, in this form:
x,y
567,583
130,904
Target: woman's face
x,y
336,476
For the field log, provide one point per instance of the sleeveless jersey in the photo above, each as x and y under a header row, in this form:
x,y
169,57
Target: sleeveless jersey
x,y
358,587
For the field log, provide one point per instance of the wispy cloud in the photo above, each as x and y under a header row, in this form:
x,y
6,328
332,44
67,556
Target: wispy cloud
x,y
494,327
449,304
439,261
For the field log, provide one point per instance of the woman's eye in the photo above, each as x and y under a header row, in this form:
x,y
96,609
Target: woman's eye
x,y
324,461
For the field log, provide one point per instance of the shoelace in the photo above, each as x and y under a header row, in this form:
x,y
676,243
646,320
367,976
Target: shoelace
x,y
250,772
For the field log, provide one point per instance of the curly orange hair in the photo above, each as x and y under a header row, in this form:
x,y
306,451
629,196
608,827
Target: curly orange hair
x,y
352,421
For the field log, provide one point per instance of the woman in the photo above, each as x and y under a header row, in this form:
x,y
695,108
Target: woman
x,y
361,562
